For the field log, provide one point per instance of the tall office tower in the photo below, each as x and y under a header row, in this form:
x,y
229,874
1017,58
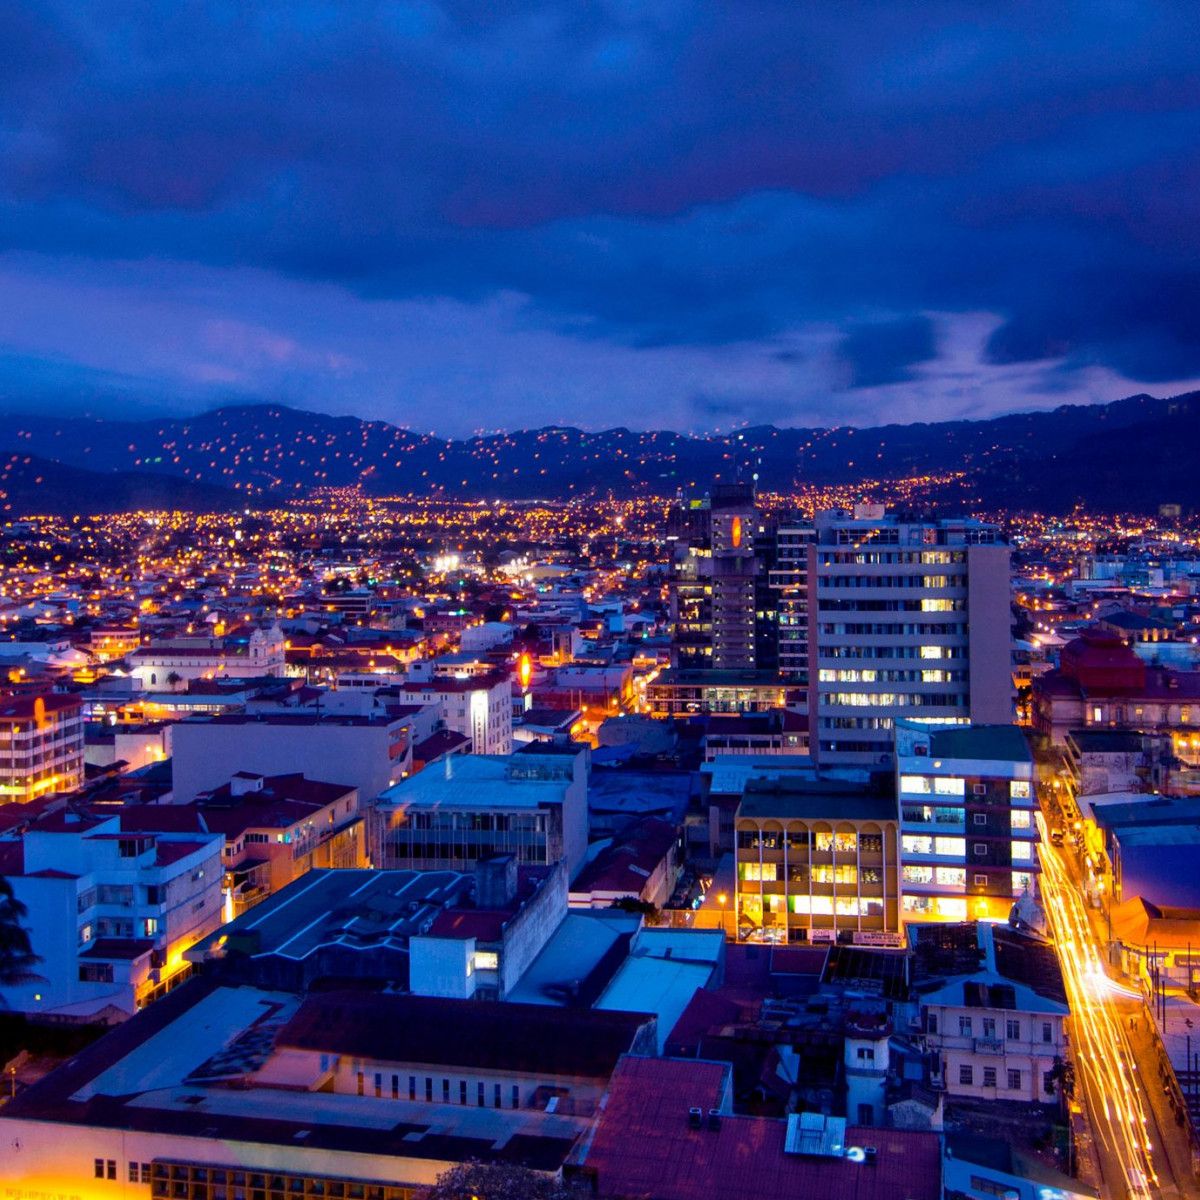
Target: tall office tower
x,y
907,618
787,574
714,580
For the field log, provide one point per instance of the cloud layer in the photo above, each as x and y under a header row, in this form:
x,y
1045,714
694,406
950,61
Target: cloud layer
x,y
468,214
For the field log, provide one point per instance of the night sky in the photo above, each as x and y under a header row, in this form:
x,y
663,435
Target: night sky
x,y
642,212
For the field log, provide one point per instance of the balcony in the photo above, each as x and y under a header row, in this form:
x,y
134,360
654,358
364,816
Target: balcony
x,y
989,1045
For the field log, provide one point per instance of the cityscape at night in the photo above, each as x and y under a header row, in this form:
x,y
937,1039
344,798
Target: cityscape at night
x,y
599,601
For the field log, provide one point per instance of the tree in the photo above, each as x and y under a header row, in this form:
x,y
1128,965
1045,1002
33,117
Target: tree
x,y
500,1181
17,958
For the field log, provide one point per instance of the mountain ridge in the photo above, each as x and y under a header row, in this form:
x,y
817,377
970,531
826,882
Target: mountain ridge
x,y
1137,450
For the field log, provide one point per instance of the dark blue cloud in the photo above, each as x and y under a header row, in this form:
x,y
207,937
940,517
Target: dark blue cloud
x,y
680,174
885,352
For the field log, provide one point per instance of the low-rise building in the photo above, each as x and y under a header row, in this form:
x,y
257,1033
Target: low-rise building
x,y
368,753
993,1007
220,1091
436,933
276,829
468,807
1101,683
110,913
667,1130
817,860
171,665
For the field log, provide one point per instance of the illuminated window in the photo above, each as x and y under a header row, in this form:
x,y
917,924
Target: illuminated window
x,y
913,843
917,873
933,652
1019,818
950,846
486,960
1021,851
918,784
1019,789
949,786
758,872
952,876
823,842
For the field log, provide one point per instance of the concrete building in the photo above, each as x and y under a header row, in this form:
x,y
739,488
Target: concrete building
x,y
479,708
817,861
685,692
533,806
225,1091
41,746
967,807
464,935
110,913
713,581
992,1005
907,618
368,753
276,829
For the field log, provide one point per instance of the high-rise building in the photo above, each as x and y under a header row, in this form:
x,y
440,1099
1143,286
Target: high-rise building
x,y
907,617
787,576
714,585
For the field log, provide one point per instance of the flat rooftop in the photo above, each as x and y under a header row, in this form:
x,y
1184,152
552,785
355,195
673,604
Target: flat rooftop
x,y
820,799
473,781
989,743
154,1074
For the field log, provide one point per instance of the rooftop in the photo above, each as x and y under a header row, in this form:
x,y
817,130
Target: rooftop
x,y
1000,743
791,798
473,781
645,1146
154,1073
529,1038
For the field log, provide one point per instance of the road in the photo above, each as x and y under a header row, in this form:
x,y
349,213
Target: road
x,y
1134,1153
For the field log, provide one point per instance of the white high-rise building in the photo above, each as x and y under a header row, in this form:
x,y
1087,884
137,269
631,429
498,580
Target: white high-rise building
x,y
907,618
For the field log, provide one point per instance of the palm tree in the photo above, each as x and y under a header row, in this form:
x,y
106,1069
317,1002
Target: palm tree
x,y
17,958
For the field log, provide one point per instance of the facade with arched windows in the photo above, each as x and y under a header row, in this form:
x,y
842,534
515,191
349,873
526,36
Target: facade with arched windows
x,y
817,861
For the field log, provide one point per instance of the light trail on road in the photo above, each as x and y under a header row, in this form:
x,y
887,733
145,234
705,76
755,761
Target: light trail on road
x,y
1117,1108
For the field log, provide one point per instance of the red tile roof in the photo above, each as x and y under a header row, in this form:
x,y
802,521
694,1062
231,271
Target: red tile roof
x,y
645,1148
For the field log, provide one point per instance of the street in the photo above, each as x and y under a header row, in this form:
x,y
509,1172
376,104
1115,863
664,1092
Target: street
x,y
1140,1154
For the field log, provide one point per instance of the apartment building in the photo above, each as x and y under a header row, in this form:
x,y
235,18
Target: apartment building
x,y
817,861
479,707
110,914
993,1008
41,746
907,618
967,830
275,828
